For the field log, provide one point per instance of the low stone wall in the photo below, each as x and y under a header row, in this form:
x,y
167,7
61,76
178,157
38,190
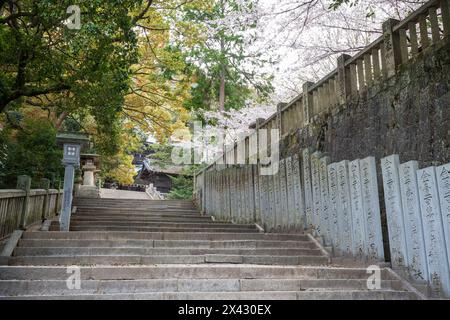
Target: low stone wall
x,y
19,209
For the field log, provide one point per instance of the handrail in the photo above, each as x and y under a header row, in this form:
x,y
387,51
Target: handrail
x,y
323,80
365,51
19,209
413,17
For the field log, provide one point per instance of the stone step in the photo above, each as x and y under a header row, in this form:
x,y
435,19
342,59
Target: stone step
x,y
200,271
100,227
167,243
126,217
66,251
132,201
59,287
166,259
104,235
137,211
128,204
243,295
160,225
93,218
132,204
112,208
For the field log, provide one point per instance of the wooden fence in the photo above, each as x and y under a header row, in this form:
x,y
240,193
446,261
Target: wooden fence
x,y
22,208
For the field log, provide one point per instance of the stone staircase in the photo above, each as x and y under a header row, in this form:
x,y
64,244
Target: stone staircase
x,y
149,249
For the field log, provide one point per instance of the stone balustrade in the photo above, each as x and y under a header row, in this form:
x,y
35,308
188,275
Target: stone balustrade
x,y
401,42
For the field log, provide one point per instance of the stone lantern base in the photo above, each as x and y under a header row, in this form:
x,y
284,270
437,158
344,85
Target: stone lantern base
x,y
89,189
88,192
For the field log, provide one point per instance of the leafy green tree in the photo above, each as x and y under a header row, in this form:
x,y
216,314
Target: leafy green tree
x,y
226,71
182,187
86,71
30,150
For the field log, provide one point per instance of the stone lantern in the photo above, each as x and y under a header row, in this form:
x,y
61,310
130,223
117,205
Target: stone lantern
x,y
72,145
90,165
88,173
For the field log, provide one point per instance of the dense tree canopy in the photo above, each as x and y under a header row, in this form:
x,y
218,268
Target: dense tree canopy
x,y
136,68
74,73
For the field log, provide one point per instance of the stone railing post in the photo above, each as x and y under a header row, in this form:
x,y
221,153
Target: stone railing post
x,y
344,79
58,196
45,184
24,183
280,107
66,210
392,49
256,182
308,102
203,194
259,122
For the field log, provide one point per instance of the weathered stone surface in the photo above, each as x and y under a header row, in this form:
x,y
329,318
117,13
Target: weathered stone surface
x,y
215,264
358,218
371,207
315,185
232,179
257,186
417,261
264,200
306,165
284,214
435,245
443,178
240,191
248,194
300,217
394,210
229,197
292,210
271,193
333,207
277,200
406,115
344,209
324,200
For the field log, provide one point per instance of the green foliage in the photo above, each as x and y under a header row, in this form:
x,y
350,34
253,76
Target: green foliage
x,y
335,4
205,93
79,71
182,187
161,154
224,55
111,73
31,151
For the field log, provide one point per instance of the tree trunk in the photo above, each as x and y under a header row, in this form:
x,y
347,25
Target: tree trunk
x,y
222,90
61,119
222,78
